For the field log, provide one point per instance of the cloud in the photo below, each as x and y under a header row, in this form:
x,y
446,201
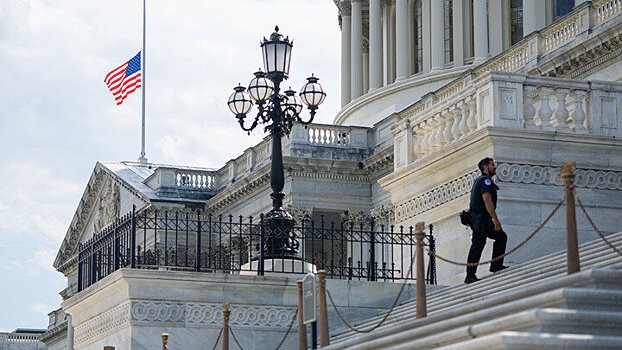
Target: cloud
x,y
58,118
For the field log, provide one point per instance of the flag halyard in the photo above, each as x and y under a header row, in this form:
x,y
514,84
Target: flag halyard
x,y
124,79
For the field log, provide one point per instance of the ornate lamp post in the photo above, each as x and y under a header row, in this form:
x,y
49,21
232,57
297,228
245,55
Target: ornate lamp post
x,y
278,111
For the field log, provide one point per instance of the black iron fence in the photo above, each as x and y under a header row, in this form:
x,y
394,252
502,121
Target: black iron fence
x,y
196,241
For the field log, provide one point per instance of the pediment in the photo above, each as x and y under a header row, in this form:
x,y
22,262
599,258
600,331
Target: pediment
x,y
99,206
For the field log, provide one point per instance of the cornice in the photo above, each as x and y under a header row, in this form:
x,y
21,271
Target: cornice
x,y
579,61
379,161
240,189
56,333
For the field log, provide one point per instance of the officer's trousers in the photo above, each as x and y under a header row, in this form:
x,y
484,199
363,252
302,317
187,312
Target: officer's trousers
x,y
478,241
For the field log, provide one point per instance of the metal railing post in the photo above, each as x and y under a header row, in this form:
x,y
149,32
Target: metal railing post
x,y
323,315
197,262
421,297
572,244
133,237
262,242
302,328
372,253
225,326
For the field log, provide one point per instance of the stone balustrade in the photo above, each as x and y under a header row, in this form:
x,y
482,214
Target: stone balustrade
x,y
329,135
533,48
175,181
18,337
507,100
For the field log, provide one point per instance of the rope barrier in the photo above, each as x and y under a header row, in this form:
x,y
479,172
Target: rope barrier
x,y
386,316
589,219
235,338
291,324
217,339
506,254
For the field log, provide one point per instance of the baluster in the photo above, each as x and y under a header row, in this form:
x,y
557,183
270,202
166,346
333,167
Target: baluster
x,y
464,111
529,111
455,129
448,119
430,133
417,131
577,120
560,116
437,129
543,116
472,106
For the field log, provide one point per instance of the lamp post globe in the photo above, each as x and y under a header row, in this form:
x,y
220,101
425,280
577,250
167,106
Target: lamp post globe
x,y
278,112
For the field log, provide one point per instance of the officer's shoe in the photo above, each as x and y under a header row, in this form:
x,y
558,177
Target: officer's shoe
x,y
470,279
498,268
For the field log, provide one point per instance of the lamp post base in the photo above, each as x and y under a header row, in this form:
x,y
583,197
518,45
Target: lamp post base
x,y
280,240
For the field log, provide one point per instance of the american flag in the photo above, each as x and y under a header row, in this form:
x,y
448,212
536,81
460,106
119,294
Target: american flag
x,y
125,79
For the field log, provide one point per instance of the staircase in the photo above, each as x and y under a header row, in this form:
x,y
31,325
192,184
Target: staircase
x,y
534,305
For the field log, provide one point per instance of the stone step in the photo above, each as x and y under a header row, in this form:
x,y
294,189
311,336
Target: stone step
x,y
593,254
538,320
429,332
529,341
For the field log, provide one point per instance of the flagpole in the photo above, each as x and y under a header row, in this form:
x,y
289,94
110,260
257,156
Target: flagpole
x,y
143,58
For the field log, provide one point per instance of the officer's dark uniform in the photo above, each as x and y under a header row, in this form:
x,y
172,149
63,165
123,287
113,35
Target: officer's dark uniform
x,y
486,228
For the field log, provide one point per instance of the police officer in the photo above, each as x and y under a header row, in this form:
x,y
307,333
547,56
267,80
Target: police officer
x,y
484,220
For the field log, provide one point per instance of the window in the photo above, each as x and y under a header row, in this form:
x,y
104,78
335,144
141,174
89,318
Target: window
x,y
563,7
449,31
516,21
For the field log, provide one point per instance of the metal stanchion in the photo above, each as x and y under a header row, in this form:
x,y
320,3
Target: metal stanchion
x,y
302,328
164,341
225,326
324,339
572,244
421,298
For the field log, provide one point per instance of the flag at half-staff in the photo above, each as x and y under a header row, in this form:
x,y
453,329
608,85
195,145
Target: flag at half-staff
x,y
124,79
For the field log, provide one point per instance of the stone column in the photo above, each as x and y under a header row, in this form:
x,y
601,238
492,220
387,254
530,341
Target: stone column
x,y
346,28
495,27
69,332
375,44
425,17
402,51
458,32
437,35
534,16
357,49
480,32
365,66
388,36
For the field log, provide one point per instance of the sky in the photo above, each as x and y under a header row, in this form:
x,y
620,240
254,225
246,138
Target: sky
x,y
57,117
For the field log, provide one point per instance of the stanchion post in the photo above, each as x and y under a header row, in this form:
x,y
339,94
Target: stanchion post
x,y
225,326
302,328
324,340
420,274
164,341
572,244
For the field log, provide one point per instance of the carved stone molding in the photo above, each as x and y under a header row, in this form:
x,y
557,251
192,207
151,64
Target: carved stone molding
x,y
546,175
436,197
154,312
384,214
356,218
218,203
101,325
300,214
510,173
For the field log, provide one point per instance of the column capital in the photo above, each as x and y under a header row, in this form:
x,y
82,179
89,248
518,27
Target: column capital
x,y
386,3
345,8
